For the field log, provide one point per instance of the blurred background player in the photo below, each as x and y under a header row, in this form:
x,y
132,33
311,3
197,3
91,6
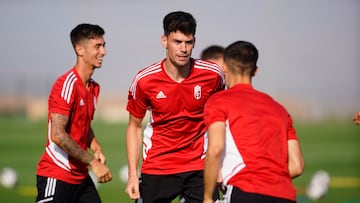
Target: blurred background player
x,y
62,172
251,137
174,90
213,53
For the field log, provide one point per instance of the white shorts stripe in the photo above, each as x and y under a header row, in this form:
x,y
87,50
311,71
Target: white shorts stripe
x,y
47,187
45,200
50,187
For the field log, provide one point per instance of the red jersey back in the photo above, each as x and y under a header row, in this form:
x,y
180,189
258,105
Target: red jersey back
x,y
257,132
174,138
71,98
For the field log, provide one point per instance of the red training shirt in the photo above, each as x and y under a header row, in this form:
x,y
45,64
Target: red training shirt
x,y
69,97
257,132
174,138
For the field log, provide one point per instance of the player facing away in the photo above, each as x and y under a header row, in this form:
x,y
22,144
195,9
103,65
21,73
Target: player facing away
x,y
251,137
174,90
62,172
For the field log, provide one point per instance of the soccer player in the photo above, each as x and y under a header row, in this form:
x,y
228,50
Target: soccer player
x,y
62,172
174,90
213,53
356,118
251,137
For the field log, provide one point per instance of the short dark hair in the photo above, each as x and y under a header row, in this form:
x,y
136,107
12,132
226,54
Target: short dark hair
x,y
179,21
241,57
212,52
85,31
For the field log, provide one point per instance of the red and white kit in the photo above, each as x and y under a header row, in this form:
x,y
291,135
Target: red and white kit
x,y
254,120
71,98
174,139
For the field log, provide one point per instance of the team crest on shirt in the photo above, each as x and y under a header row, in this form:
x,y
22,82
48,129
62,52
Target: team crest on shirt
x,y
197,92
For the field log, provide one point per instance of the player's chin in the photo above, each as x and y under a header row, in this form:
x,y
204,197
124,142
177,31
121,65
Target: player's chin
x,y
183,62
97,65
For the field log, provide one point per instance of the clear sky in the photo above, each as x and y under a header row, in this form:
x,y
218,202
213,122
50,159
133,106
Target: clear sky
x,y
309,50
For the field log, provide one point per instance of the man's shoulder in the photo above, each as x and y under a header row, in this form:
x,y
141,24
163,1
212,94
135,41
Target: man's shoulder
x,y
68,76
65,84
148,73
207,66
153,68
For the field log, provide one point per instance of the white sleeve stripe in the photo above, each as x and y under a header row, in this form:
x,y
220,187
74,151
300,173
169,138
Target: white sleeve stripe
x,y
68,87
216,70
65,84
207,65
209,68
201,64
148,71
70,91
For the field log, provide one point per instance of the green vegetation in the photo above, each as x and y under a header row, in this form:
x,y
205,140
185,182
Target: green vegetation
x,y
330,146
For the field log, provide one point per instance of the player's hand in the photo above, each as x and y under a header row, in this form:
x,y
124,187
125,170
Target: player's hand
x,y
98,155
101,171
356,118
132,188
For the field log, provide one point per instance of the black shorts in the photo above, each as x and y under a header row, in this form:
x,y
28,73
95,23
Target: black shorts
x,y
234,194
53,190
165,188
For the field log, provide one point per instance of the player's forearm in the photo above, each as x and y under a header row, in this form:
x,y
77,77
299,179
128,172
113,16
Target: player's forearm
x,y
212,167
74,150
216,134
93,144
133,146
296,160
60,137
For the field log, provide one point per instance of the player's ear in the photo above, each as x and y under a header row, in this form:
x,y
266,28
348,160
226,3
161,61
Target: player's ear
x,y
254,71
79,50
164,41
224,68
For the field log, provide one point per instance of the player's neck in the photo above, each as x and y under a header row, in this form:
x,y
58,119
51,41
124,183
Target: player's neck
x,y
85,72
235,80
177,73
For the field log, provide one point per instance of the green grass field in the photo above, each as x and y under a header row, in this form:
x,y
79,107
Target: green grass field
x,y
331,146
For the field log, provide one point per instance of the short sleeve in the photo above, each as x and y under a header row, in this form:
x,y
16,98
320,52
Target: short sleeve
x,y
61,98
291,130
137,104
214,110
